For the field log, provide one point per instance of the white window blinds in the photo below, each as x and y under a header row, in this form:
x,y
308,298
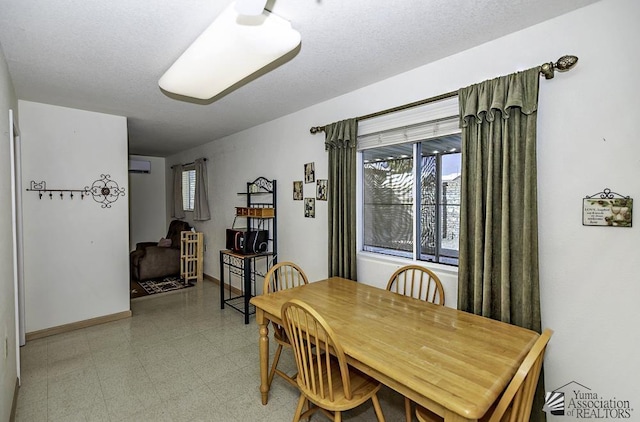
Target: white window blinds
x,y
188,189
411,125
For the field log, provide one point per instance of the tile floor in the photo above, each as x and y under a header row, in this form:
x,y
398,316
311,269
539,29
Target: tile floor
x,y
179,358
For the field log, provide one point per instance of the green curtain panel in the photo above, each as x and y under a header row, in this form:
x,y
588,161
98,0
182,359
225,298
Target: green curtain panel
x,y
498,271
176,205
340,143
201,200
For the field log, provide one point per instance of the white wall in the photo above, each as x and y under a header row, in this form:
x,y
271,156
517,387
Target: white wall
x,y
75,251
587,141
8,370
263,151
147,202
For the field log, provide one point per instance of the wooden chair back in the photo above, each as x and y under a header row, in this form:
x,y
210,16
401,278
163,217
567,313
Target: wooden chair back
x,y
314,343
283,275
418,282
516,401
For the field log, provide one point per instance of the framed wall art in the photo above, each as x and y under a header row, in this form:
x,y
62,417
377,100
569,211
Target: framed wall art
x,y
297,190
321,189
607,208
309,173
310,207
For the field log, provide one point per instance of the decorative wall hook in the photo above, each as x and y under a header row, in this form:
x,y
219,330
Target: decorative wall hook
x,y
104,190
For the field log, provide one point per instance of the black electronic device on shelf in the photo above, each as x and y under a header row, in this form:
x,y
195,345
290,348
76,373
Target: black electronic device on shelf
x,y
247,241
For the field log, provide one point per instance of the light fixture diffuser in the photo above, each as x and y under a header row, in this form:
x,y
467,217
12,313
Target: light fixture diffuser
x,y
230,49
250,7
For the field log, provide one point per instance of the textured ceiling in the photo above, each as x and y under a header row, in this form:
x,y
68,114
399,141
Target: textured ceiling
x,y
107,55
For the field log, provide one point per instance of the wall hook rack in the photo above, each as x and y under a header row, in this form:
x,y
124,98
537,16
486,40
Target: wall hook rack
x,y
104,191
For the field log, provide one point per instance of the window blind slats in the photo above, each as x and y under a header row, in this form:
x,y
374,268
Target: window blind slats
x,y
188,189
415,133
409,206
411,125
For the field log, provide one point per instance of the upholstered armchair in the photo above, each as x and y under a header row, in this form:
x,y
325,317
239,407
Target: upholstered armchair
x,y
158,259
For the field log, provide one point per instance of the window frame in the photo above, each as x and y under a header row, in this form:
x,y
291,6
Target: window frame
x,y
408,126
440,255
440,215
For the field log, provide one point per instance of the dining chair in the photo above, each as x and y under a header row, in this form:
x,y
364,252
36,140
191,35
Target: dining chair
x,y
324,377
283,275
515,403
421,283
418,282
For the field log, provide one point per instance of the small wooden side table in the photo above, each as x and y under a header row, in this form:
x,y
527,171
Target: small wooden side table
x,y
191,256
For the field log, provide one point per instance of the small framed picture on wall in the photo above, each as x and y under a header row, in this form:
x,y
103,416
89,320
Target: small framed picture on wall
x,y
309,173
310,207
297,190
321,189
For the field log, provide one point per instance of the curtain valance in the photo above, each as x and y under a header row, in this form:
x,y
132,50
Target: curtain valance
x,y
480,101
342,134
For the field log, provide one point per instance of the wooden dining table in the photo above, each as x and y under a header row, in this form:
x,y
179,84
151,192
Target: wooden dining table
x,y
453,363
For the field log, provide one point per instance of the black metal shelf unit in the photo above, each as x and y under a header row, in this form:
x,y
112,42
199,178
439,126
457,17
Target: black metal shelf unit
x,y
250,268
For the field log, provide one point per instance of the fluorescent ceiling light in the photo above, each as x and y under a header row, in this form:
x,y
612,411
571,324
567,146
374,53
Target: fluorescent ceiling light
x,y
230,49
250,7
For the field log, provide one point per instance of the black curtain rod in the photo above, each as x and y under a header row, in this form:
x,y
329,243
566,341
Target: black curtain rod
x,y
187,164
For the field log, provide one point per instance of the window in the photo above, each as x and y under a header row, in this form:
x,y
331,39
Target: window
x,y
439,223
188,189
411,168
394,182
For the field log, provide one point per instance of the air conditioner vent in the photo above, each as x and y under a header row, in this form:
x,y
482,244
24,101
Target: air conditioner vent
x,y
139,166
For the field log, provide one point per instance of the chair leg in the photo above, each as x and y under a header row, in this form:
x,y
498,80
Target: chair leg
x,y
276,358
301,402
309,404
407,409
377,408
338,416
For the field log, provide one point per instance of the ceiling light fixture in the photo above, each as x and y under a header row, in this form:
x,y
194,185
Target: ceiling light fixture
x,y
233,47
250,7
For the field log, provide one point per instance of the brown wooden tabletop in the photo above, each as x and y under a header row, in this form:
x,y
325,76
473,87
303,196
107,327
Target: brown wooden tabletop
x,y
454,363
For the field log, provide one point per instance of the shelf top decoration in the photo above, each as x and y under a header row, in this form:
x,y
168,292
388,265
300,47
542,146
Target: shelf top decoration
x,y
261,184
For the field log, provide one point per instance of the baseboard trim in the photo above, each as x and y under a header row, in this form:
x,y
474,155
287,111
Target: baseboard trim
x,y
235,290
14,405
77,325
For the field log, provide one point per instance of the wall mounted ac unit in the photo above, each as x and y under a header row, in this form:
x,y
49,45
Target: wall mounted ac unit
x,y
139,166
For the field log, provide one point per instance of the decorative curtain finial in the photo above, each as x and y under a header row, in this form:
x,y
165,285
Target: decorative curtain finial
x,y
563,64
